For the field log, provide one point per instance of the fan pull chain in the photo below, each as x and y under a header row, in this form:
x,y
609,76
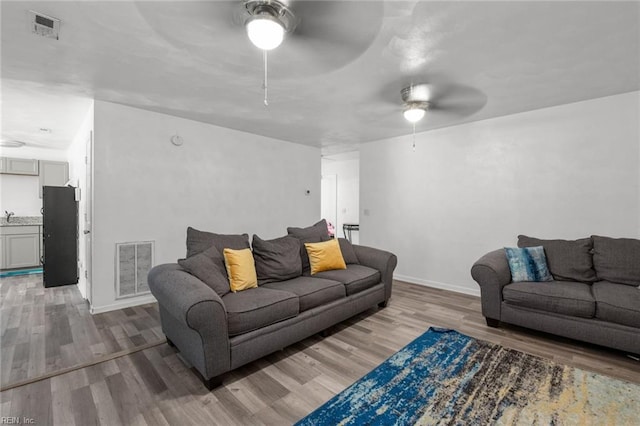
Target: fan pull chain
x,y
264,84
414,137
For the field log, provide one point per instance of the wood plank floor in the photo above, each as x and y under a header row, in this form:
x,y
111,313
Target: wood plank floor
x,y
44,330
153,387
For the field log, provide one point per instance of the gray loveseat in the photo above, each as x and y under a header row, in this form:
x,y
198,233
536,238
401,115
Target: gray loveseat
x,y
595,295
216,334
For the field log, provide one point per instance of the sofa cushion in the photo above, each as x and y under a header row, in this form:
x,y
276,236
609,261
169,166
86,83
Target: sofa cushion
x,y
208,266
617,303
355,278
528,264
568,260
277,259
617,259
562,297
312,234
258,307
311,291
348,253
199,241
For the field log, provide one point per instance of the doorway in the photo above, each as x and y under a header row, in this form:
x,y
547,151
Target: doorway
x,y
340,197
329,200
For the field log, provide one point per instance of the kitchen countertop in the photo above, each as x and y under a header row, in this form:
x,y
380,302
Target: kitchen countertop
x,y
21,221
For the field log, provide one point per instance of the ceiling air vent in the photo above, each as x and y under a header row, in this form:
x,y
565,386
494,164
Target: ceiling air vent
x,y
44,25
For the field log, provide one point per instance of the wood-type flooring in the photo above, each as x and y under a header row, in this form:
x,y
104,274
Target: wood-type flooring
x,y
44,330
154,387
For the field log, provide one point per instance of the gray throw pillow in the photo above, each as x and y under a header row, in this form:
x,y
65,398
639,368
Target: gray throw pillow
x,y
199,241
315,233
348,253
209,267
276,260
568,260
617,259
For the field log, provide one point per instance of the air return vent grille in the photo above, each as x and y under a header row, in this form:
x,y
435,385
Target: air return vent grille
x,y
43,25
133,262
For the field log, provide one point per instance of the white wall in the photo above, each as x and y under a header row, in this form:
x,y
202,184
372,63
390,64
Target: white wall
x,y
20,194
77,174
563,172
346,167
220,180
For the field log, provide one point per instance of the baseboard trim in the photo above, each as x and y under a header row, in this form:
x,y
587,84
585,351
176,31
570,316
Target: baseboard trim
x,y
121,304
435,284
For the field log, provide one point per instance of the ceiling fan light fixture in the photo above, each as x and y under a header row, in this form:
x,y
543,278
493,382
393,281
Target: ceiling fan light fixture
x,y
265,31
414,113
11,143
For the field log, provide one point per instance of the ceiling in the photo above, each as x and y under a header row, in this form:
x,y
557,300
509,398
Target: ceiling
x,y
334,83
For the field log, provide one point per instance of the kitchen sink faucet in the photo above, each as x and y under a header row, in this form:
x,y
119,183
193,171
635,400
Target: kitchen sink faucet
x,y
8,214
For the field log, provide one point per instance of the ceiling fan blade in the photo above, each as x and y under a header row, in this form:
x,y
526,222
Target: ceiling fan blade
x,y
192,24
330,34
378,112
208,31
457,99
351,22
326,38
303,58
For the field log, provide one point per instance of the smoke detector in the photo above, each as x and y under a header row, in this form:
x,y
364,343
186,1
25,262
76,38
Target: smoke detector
x,y
44,25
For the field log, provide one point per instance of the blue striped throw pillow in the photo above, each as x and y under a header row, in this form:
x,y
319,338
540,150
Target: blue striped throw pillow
x,y
528,264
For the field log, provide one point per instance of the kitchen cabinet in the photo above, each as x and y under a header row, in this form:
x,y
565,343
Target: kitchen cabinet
x,y
20,246
53,173
41,254
19,166
3,263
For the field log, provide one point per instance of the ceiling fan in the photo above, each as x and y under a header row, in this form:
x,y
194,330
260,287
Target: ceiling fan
x,y
452,99
440,98
15,143
304,38
434,99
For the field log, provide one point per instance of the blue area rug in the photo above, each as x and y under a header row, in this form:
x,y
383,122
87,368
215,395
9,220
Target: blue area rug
x,y
32,271
444,377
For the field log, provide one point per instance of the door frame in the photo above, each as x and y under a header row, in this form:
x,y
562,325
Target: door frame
x,y
329,199
88,220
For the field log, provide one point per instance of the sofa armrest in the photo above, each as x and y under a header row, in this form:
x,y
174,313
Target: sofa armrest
x,y
492,273
381,260
181,293
194,305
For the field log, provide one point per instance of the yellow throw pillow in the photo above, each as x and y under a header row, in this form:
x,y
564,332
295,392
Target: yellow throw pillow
x,y
241,269
325,256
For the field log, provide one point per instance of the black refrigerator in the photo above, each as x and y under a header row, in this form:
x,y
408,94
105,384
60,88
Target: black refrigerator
x,y
60,235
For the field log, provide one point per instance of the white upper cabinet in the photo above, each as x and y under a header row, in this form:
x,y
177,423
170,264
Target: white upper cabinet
x,y
19,166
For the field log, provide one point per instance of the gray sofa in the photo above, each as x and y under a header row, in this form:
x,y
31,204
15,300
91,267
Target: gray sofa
x,y
595,295
216,334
